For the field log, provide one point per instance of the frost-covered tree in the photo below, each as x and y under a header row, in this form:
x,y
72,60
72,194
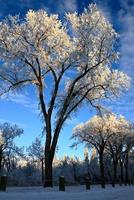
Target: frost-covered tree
x,y
74,161
8,133
94,165
87,163
117,143
128,147
36,153
41,52
96,133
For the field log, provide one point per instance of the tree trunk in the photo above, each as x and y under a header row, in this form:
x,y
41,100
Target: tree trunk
x,y
48,164
74,172
102,170
115,163
42,170
121,172
48,157
0,163
48,172
126,170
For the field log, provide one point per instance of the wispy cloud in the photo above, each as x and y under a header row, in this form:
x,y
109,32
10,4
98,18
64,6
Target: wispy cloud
x,y
124,106
23,100
22,6
25,3
73,121
21,125
68,6
104,6
126,18
125,21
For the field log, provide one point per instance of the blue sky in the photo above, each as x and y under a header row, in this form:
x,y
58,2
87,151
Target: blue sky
x,y
22,109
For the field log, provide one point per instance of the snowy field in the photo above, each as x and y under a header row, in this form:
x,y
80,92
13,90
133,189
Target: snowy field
x,y
71,193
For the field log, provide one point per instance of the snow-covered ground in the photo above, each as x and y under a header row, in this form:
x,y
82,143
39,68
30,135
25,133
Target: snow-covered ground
x,y
71,193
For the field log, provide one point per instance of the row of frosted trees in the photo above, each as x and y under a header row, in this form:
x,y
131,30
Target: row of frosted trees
x,y
113,139
110,138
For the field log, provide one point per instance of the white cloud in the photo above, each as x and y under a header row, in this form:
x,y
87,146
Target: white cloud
x,y
26,3
67,6
126,18
23,100
62,6
73,121
105,8
21,125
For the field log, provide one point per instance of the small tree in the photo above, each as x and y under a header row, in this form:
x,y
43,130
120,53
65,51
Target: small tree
x,y
39,51
7,146
74,161
87,161
94,167
36,153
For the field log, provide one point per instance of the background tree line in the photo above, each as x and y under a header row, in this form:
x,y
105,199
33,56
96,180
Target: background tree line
x,y
108,156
